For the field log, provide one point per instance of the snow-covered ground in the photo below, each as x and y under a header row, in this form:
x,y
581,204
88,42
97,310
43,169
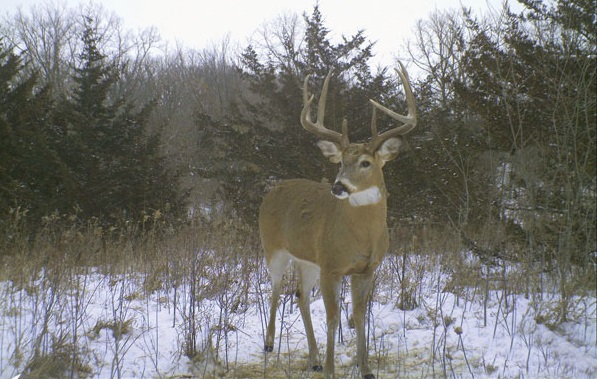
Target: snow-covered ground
x,y
120,326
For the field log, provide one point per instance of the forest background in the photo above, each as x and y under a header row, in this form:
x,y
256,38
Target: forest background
x,y
100,124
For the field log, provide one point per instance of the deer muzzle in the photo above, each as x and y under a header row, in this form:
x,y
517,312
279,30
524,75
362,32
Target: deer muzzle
x,y
339,190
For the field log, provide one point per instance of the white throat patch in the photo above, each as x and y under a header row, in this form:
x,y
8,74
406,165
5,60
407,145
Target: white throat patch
x,y
369,196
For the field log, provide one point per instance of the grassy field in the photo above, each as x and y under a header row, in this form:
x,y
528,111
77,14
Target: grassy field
x,y
89,302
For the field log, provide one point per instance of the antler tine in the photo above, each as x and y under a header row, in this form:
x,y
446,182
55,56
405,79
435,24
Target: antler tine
x,y
374,123
345,141
410,120
318,128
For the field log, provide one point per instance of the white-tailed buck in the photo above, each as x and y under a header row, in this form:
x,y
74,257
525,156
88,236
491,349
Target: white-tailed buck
x,y
333,232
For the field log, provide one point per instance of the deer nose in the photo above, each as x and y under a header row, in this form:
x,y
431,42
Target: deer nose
x,y
339,189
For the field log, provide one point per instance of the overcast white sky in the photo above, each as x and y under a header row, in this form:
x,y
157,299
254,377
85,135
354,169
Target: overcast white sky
x,y
203,23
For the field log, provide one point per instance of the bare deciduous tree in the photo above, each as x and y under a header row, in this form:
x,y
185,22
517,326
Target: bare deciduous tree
x,y
437,50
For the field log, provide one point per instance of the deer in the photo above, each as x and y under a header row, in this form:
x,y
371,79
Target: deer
x,y
330,232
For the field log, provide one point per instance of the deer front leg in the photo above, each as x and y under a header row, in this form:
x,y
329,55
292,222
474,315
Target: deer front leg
x,y
276,266
308,274
361,288
330,290
271,325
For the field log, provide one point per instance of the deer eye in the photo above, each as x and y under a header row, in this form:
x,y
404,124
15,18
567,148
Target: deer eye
x,y
365,164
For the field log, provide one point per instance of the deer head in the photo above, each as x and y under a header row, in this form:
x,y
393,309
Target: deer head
x,y
360,173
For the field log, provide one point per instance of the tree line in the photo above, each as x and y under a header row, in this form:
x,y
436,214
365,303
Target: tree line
x,y
106,124
81,150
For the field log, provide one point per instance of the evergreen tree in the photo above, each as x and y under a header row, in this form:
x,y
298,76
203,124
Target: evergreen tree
x,y
534,87
264,137
114,163
31,173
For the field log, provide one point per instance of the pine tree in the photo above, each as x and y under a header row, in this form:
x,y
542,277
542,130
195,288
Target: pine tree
x,y
533,85
31,174
114,162
264,136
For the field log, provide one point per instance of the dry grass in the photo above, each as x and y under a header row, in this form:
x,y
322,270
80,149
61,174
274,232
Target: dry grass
x,y
184,267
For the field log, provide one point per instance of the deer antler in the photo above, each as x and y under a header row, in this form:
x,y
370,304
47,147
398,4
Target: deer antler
x,y
318,128
410,120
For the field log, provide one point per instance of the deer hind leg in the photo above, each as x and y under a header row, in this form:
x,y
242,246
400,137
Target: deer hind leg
x,y
360,290
276,265
308,274
330,290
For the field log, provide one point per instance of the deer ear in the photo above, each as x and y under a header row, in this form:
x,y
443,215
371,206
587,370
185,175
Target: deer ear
x,y
389,149
330,150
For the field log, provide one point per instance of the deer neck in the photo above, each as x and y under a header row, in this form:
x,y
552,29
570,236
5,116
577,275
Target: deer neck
x,y
361,235
371,196
369,205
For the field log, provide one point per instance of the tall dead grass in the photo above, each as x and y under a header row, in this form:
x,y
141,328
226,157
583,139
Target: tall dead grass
x,y
47,289
48,281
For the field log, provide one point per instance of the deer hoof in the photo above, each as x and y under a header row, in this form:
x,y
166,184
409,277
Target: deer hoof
x,y
268,348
